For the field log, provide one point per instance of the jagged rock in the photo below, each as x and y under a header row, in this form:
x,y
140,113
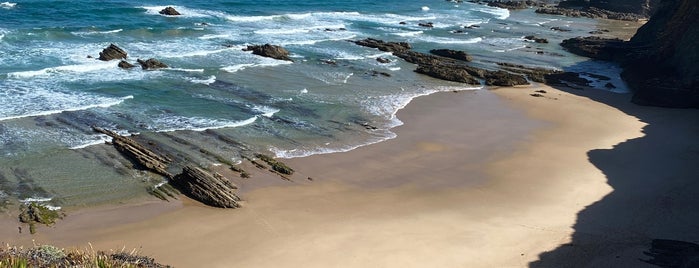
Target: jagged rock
x,y
557,28
112,52
536,39
447,73
270,51
453,54
139,153
206,188
377,73
566,79
383,46
125,65
428,24
595,47
151,64
422,58
536,74
170,11
638,7
503,78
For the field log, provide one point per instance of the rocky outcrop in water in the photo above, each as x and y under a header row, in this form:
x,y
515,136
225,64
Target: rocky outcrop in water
x,y
212,190
453,54
644,8
270,51
151,64
170,11
595,47
524,4
445,68
138,153
591,12
112,52
125,65
536,39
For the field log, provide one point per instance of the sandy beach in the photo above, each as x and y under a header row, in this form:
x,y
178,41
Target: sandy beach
x,y
487,178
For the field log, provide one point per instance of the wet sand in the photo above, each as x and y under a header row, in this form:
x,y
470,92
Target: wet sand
x,y
474,179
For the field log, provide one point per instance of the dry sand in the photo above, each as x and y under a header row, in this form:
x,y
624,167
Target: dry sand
x,y
474,179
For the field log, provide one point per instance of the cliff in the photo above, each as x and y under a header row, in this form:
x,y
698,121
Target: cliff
x,y
663,68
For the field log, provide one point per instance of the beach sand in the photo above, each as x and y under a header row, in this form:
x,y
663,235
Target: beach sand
x,y
488,178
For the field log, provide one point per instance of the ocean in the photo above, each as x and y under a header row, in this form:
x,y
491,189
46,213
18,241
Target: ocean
x,y
53,89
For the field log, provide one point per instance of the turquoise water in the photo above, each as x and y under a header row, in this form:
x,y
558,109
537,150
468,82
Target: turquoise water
x,y
51,92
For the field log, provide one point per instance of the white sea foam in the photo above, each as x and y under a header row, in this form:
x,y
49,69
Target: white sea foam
x,y
106,102
500,13
262,62
413,33
175,123
213,36
186,12
447,40
77,68
265,110
304,91
36,199
7,5
98,139
425,8
96,32
207,81
186,70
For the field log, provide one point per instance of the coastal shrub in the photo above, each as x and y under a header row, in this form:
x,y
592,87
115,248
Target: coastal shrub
x,y
51,256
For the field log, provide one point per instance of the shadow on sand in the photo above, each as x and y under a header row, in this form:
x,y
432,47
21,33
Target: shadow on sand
x,y
651,219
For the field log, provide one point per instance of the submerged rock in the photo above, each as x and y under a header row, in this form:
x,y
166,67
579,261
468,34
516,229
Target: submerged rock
x,y
151,64
536,39
270,51
125,65
112,52
383,46
447,73
170,11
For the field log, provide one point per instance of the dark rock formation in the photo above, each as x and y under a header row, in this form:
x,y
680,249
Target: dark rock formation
x,y
443,67
383,46
383,60
34,213
536,39
112,52
170,11
447,73
503,78
662,67
138,153
427,24
125,65
560,29
453,54
151,64
591,12
212,190
595,47
645,8
536,74
523,4
270,51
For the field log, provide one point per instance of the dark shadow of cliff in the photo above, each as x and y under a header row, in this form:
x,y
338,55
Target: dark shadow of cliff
x,y
655,181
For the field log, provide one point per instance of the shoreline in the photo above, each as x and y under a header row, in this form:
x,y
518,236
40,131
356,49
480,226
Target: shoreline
x,y
504,212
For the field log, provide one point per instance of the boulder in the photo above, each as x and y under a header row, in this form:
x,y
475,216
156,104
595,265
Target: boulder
x,y
453,54
383,60
270,51
170,11
427,24
211,190
112,52
151,64
125,65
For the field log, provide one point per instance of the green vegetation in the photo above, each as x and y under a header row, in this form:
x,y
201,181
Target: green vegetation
x,y
34,213
276,165
50,256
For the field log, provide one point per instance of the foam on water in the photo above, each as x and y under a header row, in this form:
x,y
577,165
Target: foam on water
x,y
45,102
7,5
75,68
265,110
174,123
96,32
186,12
207,81
448,40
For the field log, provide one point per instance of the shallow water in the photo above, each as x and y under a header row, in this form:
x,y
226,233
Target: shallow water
x,y
51,92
